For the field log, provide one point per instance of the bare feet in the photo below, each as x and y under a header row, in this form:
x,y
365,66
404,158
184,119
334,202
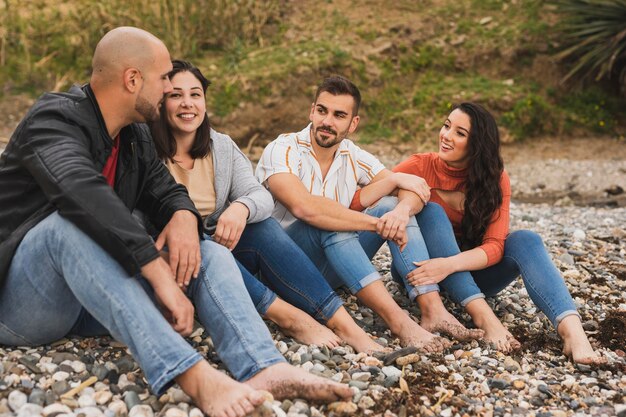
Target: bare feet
x,y
376,297
216,394
576,346
450,326
436,318
299,325
344,326
495,332
414,335
286,381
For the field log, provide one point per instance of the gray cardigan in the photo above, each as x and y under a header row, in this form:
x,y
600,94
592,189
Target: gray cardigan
x,y
235,181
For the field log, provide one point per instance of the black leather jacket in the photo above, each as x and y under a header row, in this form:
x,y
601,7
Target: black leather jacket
x,y
54,162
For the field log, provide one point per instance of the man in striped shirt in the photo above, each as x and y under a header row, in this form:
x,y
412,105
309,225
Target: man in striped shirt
x,y
313,175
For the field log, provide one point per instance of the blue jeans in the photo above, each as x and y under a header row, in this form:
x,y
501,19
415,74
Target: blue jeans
x,y
265,249
344,257
524,254
75,286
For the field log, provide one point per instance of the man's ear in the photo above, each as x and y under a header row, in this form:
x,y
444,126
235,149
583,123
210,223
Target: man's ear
x,y
312,112
353,124
132,79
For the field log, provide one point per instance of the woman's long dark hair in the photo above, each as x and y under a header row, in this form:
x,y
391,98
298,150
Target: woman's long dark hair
x,y
483,195
162,133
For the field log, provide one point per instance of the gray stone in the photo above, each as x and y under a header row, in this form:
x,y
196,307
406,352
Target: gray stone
x,y
391,357
496,383
131,399
60,387
99,371
37,397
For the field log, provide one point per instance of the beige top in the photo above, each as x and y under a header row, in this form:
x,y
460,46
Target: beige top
x,y
201,190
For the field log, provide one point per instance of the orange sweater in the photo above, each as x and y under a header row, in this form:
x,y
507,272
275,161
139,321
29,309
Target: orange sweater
x,y
439,176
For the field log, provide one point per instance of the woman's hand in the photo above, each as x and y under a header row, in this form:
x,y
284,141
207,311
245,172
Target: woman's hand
x,y
430,271
413,183
230,225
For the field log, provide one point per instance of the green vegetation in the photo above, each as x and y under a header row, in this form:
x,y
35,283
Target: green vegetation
x,y
595,38
47,44
412,60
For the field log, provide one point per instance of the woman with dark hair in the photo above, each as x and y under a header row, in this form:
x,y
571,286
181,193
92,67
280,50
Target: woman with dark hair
x,y
236,211
470,197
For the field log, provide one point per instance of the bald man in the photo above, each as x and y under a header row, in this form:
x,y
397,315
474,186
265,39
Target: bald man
x,y
73,259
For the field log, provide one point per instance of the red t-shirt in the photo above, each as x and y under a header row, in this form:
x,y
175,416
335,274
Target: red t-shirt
x,y
111,165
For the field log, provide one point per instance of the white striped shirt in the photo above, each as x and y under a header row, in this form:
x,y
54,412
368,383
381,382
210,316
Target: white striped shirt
x,y
292,153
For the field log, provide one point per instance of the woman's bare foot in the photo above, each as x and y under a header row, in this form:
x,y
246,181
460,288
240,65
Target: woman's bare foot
x,y
495,332
299,325
436,318
216,394
285,381
376,297
575,343
412,334
344,326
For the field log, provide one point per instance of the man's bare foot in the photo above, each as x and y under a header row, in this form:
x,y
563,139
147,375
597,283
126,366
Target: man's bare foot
x,y
436,318
344,326
576,346
299,325
495,332
285,381
216,394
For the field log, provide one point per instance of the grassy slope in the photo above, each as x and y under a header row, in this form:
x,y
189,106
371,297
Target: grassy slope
x,y
412,60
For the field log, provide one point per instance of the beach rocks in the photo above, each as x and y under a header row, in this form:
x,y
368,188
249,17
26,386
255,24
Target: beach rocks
x,y
471,378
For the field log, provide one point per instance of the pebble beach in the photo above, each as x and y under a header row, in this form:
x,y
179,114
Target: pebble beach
x,y
96,377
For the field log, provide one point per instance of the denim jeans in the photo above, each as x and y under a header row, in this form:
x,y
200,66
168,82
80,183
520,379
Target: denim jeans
x,y
344,257
75,286
264,249
524,254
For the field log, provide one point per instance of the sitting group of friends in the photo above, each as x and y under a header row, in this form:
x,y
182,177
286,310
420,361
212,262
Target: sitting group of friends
x,y
232,245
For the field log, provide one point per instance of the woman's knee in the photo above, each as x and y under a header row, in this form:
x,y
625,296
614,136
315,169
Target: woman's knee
x,y
522,239
432,212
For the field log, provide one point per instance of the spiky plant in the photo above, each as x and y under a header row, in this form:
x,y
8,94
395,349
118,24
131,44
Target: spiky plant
x,y
594,39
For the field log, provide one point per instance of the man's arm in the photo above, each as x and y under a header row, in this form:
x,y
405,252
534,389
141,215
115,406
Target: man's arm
x,y
317,211
169,206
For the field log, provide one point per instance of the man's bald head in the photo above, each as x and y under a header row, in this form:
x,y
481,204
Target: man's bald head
x,y
121,48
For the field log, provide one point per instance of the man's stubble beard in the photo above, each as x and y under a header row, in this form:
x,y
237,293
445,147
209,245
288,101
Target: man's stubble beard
x,y
149,112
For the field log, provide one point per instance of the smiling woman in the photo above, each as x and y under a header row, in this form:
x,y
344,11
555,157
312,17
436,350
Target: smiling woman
x,y
236,210
466,229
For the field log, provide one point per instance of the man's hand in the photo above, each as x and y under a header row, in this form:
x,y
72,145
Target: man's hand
x,y
175,305
183,245
430,271
413,183
392,225
230,225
